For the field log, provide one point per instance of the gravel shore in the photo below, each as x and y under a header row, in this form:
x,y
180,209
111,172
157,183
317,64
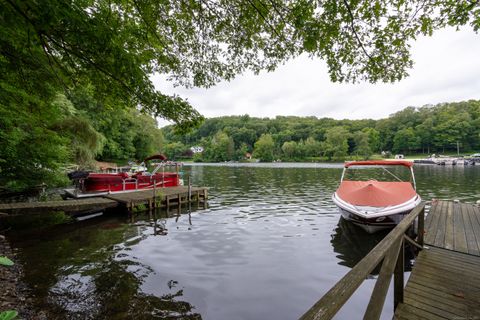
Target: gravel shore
x,y
13,292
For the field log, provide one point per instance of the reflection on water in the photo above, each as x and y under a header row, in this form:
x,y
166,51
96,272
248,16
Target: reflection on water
x,y
268,246
353,243
87,272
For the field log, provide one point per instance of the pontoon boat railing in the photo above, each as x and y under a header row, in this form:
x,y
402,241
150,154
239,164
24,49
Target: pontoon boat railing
x,y
129,181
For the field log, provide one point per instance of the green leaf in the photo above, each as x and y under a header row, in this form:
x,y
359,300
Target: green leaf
x,y
8,315
4,261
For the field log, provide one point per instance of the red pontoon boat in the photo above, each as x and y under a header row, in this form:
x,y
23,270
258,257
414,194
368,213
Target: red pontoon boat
x,y
376,205
89,184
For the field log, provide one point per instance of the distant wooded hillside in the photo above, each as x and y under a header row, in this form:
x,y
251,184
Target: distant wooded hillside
x,y
429,129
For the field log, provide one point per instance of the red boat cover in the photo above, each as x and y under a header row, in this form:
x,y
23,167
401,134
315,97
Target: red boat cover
x,y
379,163
375,193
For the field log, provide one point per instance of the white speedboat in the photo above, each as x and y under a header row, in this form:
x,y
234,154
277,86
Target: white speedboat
x,y
376,205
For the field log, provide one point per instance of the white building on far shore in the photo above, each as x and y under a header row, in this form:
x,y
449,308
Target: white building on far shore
x,y
196,149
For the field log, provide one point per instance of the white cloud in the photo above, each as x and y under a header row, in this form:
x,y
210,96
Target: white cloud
x,y
447,68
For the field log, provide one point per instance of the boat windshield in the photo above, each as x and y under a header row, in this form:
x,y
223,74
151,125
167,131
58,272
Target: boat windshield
x,y
378,173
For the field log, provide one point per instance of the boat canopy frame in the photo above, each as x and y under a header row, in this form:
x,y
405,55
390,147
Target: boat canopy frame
x,y
381,164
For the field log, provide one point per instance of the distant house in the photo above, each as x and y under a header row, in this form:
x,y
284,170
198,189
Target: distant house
x,y
196,149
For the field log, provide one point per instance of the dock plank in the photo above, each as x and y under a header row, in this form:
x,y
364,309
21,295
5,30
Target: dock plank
x,y
428,219
449,228
474,214
460,238
440,232
432,222
472,244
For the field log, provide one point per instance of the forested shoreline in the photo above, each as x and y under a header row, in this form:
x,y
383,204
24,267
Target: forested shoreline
x,y
429,129
76,129
76,81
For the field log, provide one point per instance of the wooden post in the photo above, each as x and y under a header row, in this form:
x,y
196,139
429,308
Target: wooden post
x,y
130,211
179,204
176,169
398,276
377,299
421,227
154,193
205,196
189,190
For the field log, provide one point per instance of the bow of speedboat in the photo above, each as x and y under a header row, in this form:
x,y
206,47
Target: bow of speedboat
x,y
375,218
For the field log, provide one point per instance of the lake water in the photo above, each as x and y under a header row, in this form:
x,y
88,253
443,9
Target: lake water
x,y
268,246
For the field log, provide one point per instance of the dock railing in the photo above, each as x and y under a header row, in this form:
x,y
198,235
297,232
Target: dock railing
x,y
391,251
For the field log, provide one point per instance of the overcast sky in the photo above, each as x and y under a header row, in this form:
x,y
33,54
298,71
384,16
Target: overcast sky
x,y
447,68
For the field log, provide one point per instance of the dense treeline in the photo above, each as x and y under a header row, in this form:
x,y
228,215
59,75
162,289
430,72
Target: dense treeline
x,y
39,143
427,129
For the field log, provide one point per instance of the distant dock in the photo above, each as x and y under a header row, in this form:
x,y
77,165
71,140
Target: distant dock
x,y
159,198
444,282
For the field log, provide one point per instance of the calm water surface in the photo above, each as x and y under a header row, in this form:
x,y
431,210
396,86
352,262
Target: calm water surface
x,y
268,246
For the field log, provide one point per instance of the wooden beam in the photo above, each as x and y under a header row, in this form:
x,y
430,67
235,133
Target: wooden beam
x,y
398,278
377,299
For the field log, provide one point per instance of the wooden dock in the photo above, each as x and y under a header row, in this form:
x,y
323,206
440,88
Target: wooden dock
x,y
162,197
159,198
67,206
445,280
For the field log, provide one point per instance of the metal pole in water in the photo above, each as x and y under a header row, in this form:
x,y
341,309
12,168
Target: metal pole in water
x,y
189,190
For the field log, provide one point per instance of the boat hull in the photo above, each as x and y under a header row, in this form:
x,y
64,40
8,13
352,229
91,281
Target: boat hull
x,y
373,225
374,219
100,184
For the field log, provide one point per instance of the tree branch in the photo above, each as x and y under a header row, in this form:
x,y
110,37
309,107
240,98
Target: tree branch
x,y
352,25
264,18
